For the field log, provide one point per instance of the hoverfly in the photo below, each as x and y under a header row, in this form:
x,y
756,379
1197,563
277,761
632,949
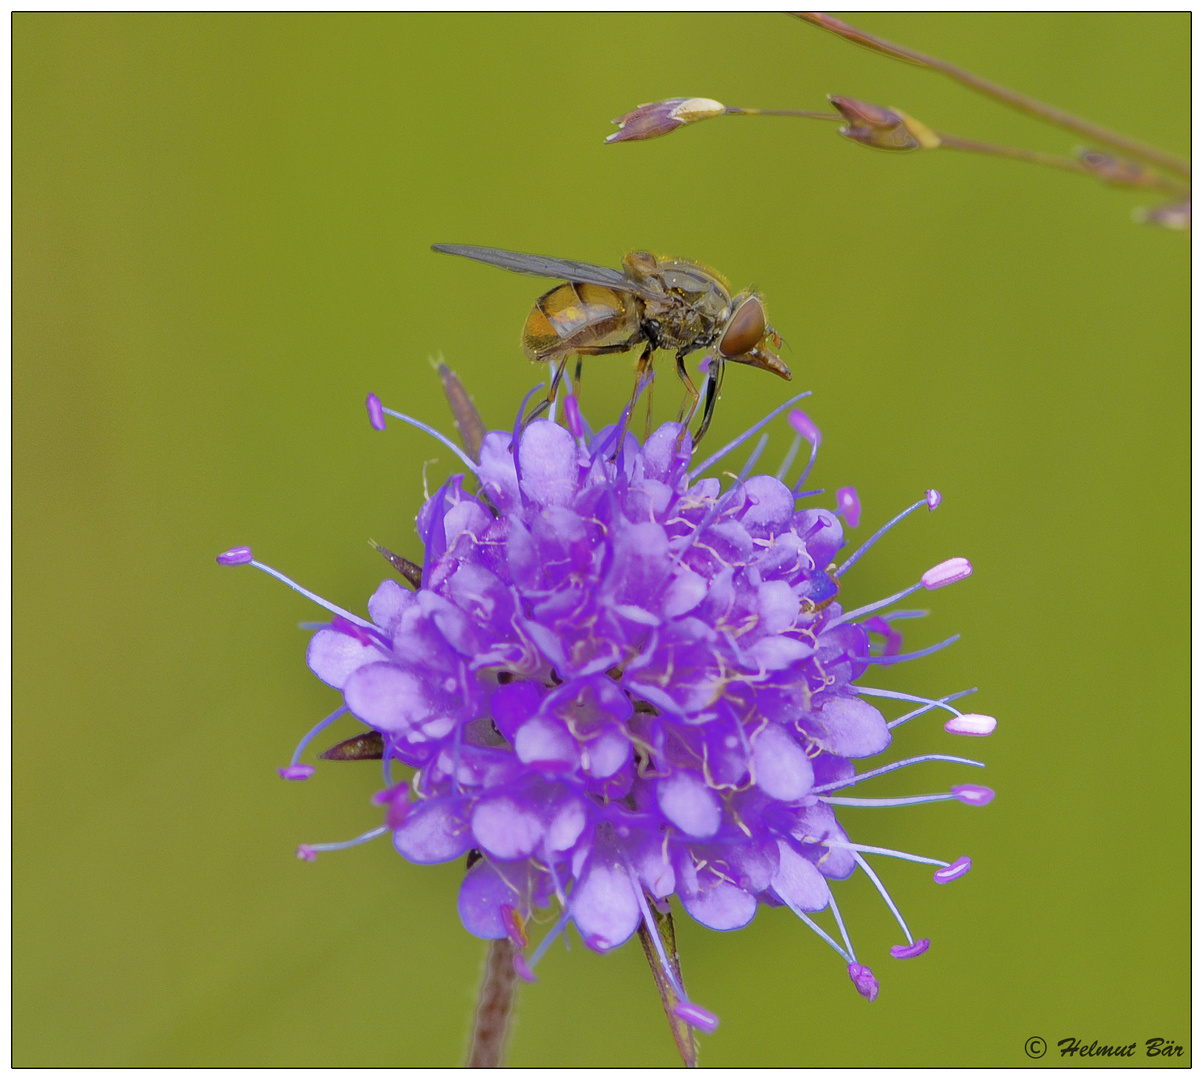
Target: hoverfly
x,y
662,303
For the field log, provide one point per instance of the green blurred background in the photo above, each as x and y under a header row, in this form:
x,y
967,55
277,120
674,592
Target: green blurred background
x,y
221,228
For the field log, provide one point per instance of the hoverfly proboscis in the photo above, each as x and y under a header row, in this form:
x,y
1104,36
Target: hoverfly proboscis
x,y
659,303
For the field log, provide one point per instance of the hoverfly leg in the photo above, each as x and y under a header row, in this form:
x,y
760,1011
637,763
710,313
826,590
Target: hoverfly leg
x,y
713,385
683,375
553,390
641,369
576,379
644,362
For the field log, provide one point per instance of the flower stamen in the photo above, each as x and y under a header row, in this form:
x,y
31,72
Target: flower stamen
x,y
885,895
686,1010
915,800
806,427
928,707
839,921
898,658
242,556
377,412
739,440
869,849
296,771
309,852
855,556
753,457
526,968
929,703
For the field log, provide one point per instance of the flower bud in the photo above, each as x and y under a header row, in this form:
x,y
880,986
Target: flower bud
x,y
848,506
660,117
881,128
971,724
973,794
1167,215
805,427
410,571
950,570
296,772
375,412
468,424
909,952
1116,170
953,871
368,746
864,981
696,1016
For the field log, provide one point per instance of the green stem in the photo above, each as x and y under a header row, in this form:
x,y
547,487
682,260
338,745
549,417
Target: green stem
x,y
1160,158
494,1008
683,1035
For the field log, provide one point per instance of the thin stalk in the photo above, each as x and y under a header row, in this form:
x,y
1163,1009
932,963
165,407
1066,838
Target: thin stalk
x,y
1142,179
1162,159
733,110
1036,157
1056,161
495,1007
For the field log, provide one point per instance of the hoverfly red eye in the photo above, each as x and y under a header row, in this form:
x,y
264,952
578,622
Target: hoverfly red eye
x,y
745,329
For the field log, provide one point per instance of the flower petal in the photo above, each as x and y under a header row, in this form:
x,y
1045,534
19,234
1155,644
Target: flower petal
x,y
333,656
547,455
514,704
606,754
783,771
798,882
481,896
770,506
689,804
604,906
848,727
684,593
496,470
506,828
433,831
390,698
712,901
545,742
387,604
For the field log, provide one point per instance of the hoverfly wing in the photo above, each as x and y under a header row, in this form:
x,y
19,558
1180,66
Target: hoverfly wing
x,y
544,266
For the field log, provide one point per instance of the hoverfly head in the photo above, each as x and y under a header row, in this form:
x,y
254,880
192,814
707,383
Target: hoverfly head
x,y
745,328
744,337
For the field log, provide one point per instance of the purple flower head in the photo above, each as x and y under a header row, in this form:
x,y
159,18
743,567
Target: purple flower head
x,y
621,680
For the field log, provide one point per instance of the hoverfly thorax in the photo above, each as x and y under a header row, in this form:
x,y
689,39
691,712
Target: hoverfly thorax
x,y
639,264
